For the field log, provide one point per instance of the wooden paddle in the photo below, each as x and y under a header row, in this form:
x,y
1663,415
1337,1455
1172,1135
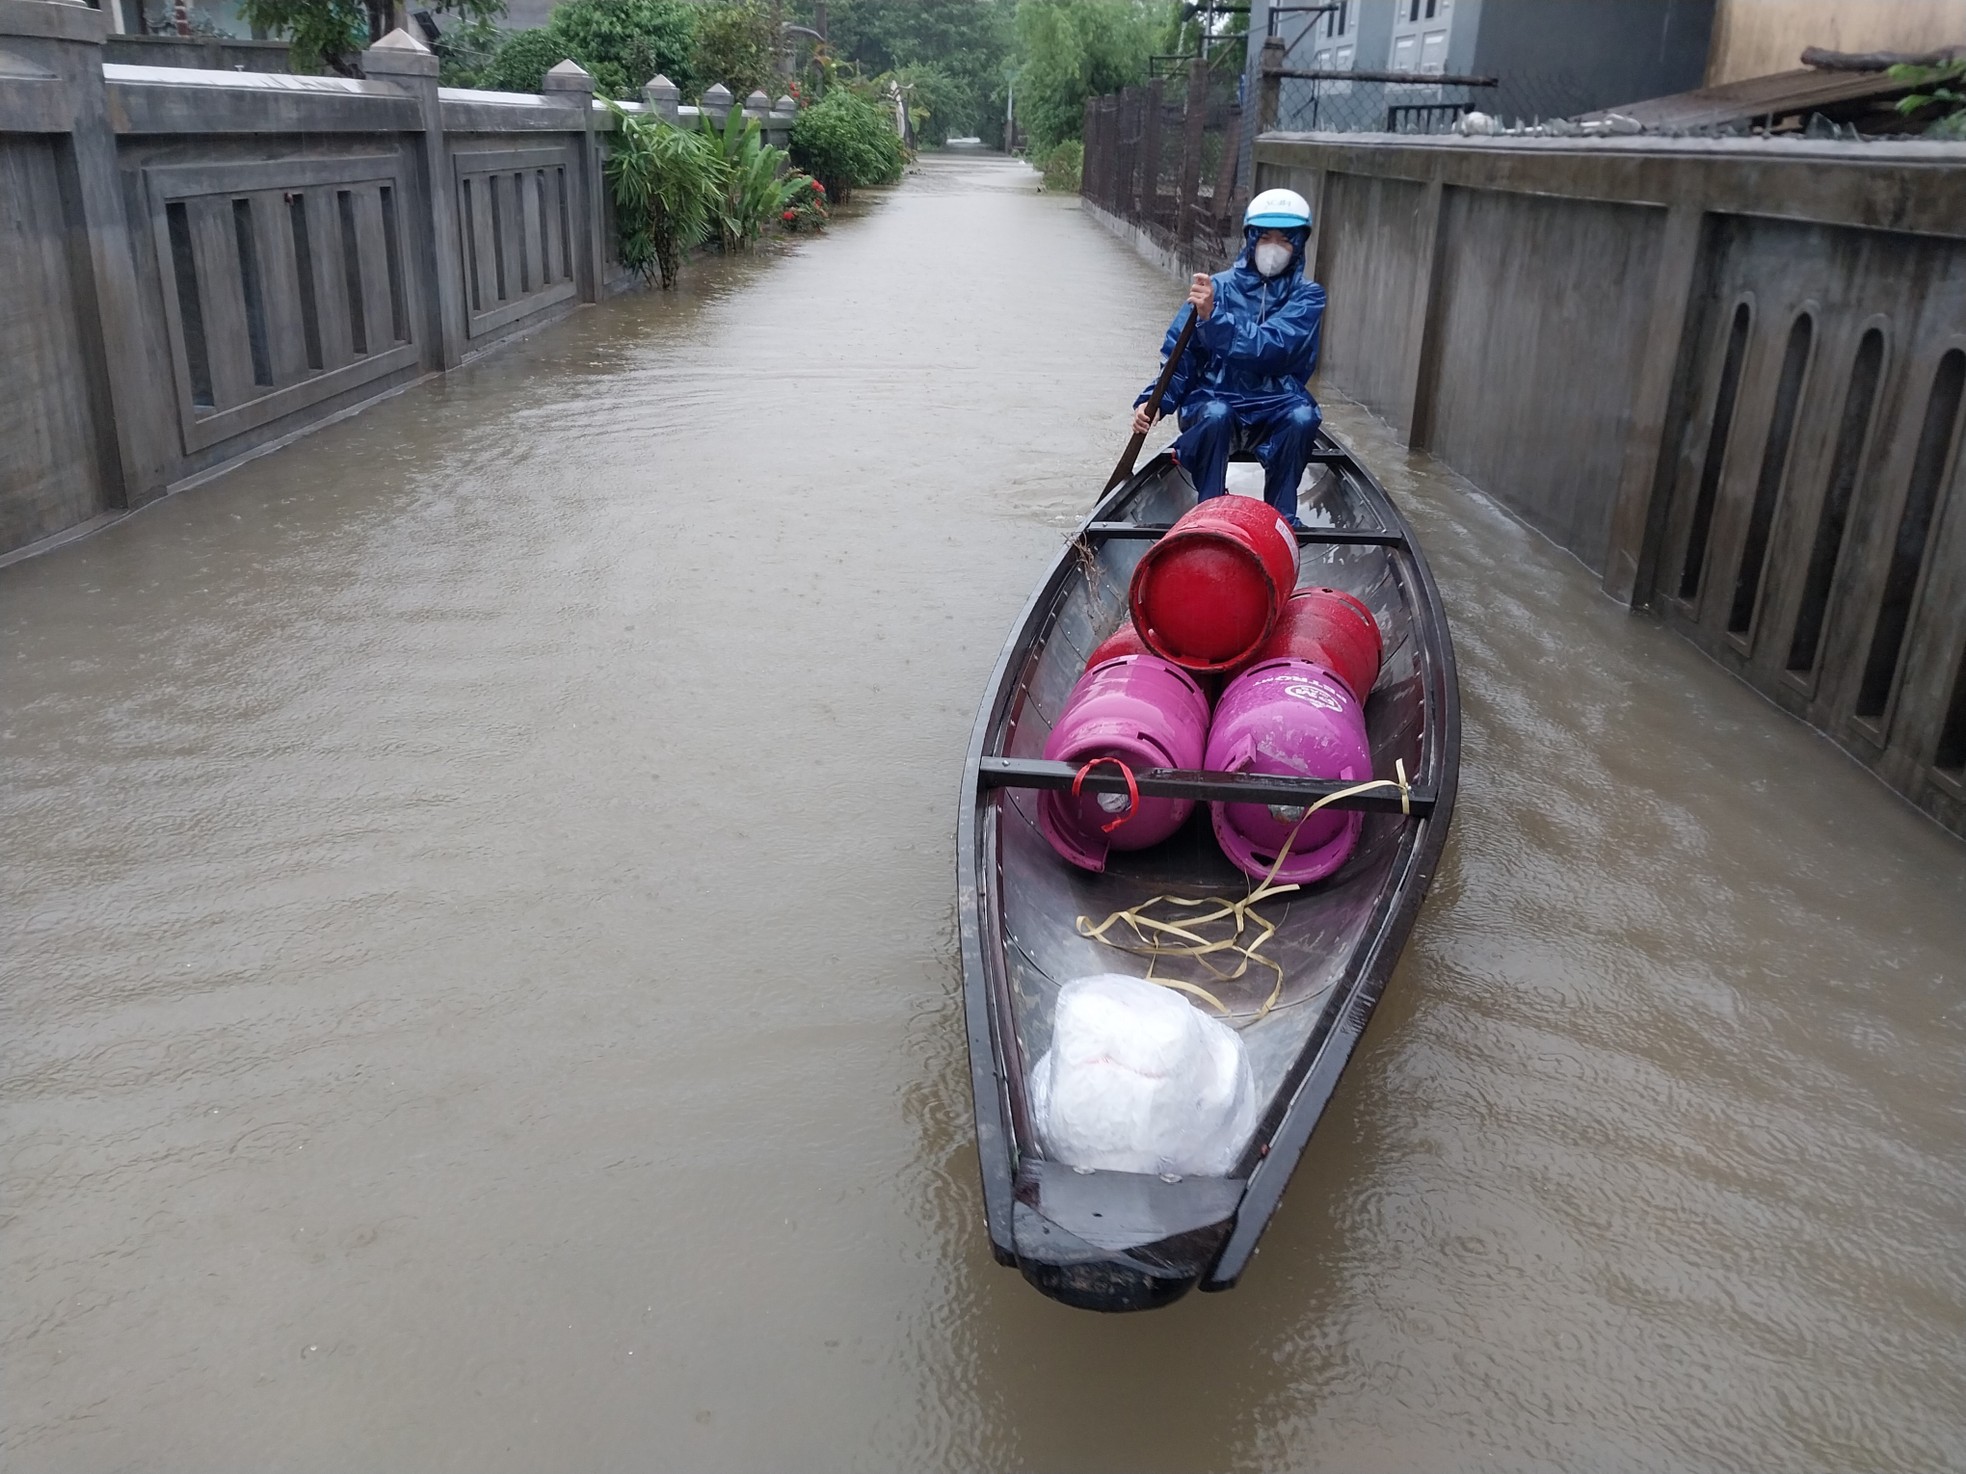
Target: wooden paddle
x,y
1132,452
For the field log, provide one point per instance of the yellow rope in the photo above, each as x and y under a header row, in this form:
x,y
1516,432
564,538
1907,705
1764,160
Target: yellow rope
x,y
1149,931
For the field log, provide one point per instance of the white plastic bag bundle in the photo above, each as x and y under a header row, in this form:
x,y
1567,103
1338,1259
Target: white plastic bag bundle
x,y
1138,1080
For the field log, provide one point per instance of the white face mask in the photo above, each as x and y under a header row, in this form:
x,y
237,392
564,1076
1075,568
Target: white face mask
x,y
1271,258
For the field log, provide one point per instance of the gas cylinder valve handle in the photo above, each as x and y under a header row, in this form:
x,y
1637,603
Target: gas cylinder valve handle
x,y
1132,789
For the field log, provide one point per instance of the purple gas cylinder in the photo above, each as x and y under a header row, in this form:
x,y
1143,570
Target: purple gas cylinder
x,y
1288,717
1146,713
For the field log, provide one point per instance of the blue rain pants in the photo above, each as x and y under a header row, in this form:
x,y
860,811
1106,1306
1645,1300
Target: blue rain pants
x,y
1280,434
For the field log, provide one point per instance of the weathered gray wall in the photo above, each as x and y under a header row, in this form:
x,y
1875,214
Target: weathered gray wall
x,y
1560,57
214,53
194,264
1556,319
1529,288
47,437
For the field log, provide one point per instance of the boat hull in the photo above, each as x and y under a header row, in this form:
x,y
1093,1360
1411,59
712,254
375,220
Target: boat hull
x,y
1124,1241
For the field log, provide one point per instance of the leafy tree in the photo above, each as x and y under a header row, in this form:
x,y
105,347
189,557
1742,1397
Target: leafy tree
x,y
1075,49
968,42
626,42
736,44
334,33
521,63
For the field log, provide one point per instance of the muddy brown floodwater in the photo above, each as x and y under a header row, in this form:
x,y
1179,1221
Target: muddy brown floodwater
x,y
480,983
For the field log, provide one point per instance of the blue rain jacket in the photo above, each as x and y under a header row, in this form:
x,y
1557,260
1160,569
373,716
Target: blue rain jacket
x,y
1258,346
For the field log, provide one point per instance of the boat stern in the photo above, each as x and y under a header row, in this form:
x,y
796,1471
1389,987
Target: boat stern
x,y
1118,1241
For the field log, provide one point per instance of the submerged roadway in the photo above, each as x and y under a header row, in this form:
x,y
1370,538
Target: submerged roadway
x,y
480,985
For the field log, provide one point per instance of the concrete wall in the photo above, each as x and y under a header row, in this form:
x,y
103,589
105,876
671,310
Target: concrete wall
x,y
195,264
1752,38
1729,375
212,53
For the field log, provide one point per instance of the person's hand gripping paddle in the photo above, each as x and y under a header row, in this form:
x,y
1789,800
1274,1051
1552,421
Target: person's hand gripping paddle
x,y
1201,293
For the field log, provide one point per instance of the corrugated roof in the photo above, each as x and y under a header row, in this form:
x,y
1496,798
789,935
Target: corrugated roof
x,y
1780,94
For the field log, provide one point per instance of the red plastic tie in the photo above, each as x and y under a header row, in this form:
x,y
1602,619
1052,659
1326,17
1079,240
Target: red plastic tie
x,y
1132,790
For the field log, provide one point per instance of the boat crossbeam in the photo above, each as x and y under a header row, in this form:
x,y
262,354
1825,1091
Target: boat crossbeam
x,y
1151,531
1242,788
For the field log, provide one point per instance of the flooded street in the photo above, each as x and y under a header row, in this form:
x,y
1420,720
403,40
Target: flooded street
x,y
480,988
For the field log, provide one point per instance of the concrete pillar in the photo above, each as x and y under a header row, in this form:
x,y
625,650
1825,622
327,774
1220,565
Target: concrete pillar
x,y
569,82
664,98
716,104
134,419
778,124
431,222
1638,516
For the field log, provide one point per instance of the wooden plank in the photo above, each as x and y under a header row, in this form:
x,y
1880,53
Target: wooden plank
x,y
216,246
1242,788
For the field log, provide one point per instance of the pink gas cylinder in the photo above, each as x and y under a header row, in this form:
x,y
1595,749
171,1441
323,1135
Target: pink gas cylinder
x,y
1288,717
1207,594
1138,710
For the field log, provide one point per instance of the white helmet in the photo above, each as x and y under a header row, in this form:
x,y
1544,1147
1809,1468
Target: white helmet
x,y
1277,209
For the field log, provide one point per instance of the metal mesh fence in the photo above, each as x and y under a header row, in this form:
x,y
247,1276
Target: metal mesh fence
x,y
1324,105
1163,157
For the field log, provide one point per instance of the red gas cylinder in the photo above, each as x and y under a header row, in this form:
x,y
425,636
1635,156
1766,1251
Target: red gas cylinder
x,y
1207,594
1123,641
1332,629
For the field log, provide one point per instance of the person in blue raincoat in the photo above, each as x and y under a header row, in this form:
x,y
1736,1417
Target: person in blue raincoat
x,y
1240,385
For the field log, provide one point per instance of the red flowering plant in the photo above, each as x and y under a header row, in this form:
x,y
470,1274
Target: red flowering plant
x,y
803,203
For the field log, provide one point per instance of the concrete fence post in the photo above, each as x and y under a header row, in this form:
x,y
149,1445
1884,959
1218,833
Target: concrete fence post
x,y
569,82
54,55
1269,87
778,128
716,104
664,98
402,60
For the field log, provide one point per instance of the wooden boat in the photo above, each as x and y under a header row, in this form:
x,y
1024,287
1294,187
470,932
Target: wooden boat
x,y
1124,1241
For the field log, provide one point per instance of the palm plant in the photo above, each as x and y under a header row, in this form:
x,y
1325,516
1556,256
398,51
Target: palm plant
x,y
752,194
668,187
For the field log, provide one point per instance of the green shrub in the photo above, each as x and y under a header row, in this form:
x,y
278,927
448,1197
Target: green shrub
x,y
846,141
1063,167
735,44
668,188
622,42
